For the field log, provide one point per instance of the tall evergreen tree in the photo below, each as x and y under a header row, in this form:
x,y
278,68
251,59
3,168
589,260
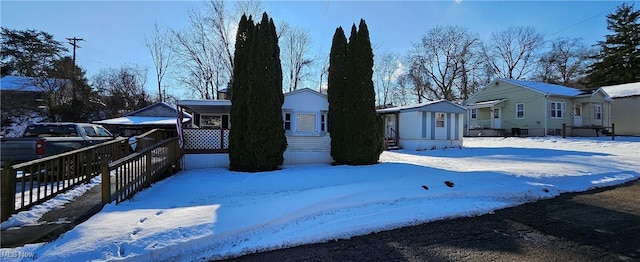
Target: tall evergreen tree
x,y
366,126
28,52
257,141
358,132
619,56
335,95
238,138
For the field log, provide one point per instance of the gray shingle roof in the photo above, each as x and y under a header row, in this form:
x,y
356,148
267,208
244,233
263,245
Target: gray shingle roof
x,y
549,89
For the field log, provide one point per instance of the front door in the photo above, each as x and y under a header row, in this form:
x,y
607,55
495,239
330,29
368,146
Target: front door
x,y
577,115
497,121
390,126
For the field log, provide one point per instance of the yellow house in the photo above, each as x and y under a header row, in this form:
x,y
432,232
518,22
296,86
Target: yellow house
x,y
508,107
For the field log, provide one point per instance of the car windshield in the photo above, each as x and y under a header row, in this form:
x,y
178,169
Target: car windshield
x,y
50,130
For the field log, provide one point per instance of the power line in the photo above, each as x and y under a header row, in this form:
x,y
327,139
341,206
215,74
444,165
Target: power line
x,y
74,42
581,22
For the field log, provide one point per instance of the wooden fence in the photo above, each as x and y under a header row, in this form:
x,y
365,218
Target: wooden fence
x,y
27,184
138,171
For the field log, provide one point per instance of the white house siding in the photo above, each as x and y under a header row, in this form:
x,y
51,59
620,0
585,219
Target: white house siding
x,y
410,126
300,150
199,161
419,131
308,149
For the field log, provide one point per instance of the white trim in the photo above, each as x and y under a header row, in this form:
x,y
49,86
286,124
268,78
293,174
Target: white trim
x,y
523,111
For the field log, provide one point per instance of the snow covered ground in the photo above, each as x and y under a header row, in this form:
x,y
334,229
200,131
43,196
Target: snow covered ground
x,y
214,213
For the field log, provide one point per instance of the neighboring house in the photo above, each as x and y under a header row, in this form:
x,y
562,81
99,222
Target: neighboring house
x,y
524,108
304,113
625,109
26,93
158,115
437,124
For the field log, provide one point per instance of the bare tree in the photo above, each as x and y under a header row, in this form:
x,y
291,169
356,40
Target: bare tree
x,y
512,53
205,50
442,62
402,91
566,63
296,45
386,71
196,57
160,48
122,89
419,81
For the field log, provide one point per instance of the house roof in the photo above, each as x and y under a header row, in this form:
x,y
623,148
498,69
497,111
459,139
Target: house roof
x,y
136,118
308,90
623,90
482,104
206,106
547,89
141,120
163,105
29,84
428,106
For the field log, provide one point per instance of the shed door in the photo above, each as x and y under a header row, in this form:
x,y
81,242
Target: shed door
x,y
577,115
497,121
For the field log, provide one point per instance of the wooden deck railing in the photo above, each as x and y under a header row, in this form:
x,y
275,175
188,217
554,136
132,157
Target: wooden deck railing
x,y
27,184
139,170
152,137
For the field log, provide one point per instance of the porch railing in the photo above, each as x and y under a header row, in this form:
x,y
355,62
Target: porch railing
x,y
30,183
480,124
205,140
139,170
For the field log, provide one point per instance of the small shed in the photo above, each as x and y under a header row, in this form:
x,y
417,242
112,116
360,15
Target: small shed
x,y
431,125
158,115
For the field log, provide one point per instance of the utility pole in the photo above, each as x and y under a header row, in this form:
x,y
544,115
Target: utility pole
x,y
74,42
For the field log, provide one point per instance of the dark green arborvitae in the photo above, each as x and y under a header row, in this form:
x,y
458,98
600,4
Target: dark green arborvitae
x,y
358,131
238,139
335,94
619,56
365,124
257,140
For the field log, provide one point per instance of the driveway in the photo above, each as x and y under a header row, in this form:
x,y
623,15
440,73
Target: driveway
x,y
596,225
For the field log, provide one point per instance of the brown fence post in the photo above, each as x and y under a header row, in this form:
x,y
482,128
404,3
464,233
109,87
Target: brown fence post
x,y
106,181
564,130
613,131
8,193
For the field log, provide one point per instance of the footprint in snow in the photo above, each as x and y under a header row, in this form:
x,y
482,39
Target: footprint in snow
x,y
159,213
143,219
136,231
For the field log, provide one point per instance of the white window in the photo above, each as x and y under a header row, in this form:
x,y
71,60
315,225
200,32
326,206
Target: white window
x,y
474,113
439,119
520,111
597,112
323,122
287,121
306,123
214,121
557,109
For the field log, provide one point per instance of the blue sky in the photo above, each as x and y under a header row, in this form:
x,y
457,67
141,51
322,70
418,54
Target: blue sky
x,y
114,30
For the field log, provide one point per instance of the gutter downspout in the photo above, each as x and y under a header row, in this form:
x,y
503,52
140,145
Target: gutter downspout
x,y
468,121
546,113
